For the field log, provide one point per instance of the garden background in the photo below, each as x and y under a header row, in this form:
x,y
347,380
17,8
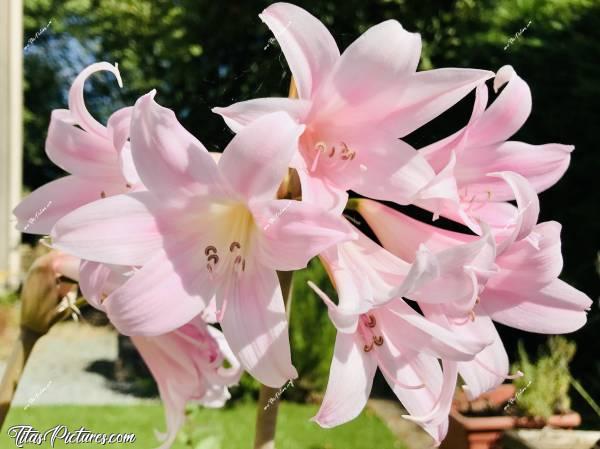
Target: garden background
x,y
199,54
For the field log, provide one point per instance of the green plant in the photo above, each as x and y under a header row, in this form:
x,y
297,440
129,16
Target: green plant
x,y
543,390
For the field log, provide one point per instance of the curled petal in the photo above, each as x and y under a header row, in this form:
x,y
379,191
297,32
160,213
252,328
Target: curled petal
x,y
77,104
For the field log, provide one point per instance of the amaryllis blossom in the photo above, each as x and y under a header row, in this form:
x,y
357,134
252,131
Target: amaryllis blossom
x,y
378,330
187,363
97,156
355,107
482,147
199,233
523,292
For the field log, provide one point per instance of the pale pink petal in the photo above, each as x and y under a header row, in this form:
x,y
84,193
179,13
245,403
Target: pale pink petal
x,y
528,209
98,280
554,309
77,104
436,421
346,314
170,375
507,113
169,160
293,232
417,332
441,192
93,278
350,381
462,268
66,265
405,370
490,367
257,158
255,324
438,154
471,212
366,79
241,114
527,266
80,152
164,294
121,230
321,192
366,275
393,171
309,48
118,126
542,165
427,94
403,235
185,365
128,168
42,208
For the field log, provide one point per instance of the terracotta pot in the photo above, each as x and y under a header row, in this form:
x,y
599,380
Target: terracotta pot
x,y
485,432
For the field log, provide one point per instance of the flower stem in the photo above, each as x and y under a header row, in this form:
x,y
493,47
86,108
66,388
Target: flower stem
x,y
266,413
14,369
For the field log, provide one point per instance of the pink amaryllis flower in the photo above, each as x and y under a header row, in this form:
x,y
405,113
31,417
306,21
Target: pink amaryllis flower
x,y
523,292
482,147
378,330
200,232
355,107
187,363
97,156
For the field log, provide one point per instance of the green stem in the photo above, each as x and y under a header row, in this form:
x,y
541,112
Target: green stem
x,y
584,394
14,369
266,414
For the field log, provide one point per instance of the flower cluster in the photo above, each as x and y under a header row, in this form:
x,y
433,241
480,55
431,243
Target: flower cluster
x,y
172,237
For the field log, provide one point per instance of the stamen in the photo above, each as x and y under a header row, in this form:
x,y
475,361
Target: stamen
x,y
320,147
214,258
103,194
371,321
244,265
237,260
332,152
368,347
378,340
234,245
128,185
210,249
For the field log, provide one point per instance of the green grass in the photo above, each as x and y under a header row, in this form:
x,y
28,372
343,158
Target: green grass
x,y
231,428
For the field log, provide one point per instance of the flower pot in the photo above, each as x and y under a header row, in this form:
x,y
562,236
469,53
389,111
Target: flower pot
x,y
485,432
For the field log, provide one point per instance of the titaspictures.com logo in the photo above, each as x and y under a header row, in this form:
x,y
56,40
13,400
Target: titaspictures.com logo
x,y
27,435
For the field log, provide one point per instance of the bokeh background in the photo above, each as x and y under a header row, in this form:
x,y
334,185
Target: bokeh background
x,y
199,54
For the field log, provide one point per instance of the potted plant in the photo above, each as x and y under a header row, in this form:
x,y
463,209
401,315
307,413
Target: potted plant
x,y
537,399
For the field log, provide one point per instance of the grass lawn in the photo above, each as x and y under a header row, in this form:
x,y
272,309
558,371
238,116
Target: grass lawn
x,y
231,428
